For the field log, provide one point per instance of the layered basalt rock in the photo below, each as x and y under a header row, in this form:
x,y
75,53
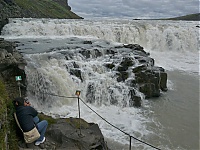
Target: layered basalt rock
x,y
148,78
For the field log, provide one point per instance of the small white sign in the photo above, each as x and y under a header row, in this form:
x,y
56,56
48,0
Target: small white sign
x,y
18,78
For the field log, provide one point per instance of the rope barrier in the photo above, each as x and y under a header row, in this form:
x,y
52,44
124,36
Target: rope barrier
x,y
119,128
130,136
56,95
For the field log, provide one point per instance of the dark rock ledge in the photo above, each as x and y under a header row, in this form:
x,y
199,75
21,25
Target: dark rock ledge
x,y
66,134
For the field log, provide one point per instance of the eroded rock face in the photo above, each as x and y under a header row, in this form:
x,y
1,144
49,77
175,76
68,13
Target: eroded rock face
x,y
9,57
11,64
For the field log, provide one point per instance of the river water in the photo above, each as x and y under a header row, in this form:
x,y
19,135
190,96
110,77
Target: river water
x,y
168,122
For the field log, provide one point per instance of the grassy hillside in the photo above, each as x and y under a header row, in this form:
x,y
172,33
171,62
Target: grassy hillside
x,y
35,9
46,8
190,17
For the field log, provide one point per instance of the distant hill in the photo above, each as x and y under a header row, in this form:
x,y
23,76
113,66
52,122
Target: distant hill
x,y
191,17
36,9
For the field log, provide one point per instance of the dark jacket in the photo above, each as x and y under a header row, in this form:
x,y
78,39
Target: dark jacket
x,y
25,115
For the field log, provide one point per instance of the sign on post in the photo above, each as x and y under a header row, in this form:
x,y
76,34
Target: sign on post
x,y
18,78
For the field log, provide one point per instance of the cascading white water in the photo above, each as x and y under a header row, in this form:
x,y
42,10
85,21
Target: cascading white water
x,y
152,35
49,47
54,72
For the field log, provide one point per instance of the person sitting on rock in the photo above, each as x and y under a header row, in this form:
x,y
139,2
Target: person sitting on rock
x,y
28,119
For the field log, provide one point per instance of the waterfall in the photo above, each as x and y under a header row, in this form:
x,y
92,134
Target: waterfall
x,y
152,35
67,55
79,65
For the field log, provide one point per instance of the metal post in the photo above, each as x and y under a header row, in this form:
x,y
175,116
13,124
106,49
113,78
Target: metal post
x,y
130,143
79,114
19,89
18,78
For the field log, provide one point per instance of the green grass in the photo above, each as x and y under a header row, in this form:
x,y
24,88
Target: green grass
x,y
3,116
75,122
49,119
46,8
190,17
8,125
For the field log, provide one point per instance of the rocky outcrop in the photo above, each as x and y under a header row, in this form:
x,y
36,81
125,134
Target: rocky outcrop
x,y
11,65
68,134
9,57
11,61
148,78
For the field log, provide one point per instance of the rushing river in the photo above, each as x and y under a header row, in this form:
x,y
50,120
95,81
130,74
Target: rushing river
x,y
168,122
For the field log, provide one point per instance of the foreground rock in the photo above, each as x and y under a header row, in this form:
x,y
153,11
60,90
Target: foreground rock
x,y
67,134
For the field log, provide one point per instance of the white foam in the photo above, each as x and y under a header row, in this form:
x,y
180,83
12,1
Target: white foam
x,y
130,120
153,35
187,61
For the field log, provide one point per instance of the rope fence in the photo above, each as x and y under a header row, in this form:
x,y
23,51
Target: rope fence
x,y
79,99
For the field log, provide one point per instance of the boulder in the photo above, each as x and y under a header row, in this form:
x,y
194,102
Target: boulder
x,y
137,48
151,80
71,133
134,101
3,22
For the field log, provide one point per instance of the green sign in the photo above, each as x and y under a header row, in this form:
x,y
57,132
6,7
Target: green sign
x,y
18,78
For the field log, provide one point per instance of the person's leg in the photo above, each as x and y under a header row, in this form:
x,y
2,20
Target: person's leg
x,y
36,119
42,126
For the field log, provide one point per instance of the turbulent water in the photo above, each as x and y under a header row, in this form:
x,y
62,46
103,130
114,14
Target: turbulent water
x,y
51,48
